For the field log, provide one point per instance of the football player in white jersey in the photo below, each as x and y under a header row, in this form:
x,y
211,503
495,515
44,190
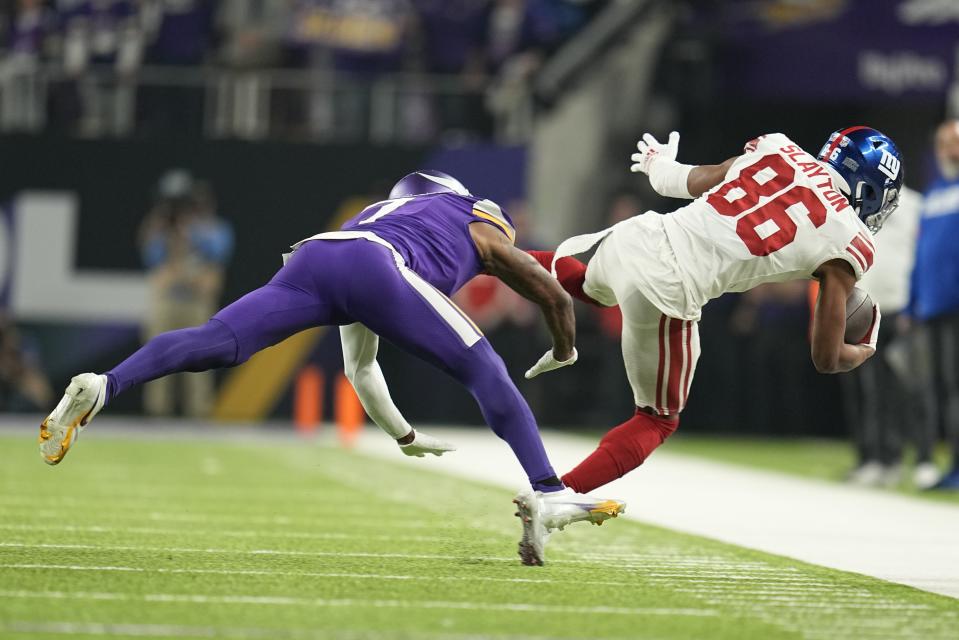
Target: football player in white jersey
x,y
772,214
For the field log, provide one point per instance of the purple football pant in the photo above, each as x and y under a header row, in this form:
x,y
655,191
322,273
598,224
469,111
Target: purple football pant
x,y
340,282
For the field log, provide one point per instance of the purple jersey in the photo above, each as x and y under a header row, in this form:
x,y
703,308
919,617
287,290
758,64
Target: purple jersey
x,y
431,232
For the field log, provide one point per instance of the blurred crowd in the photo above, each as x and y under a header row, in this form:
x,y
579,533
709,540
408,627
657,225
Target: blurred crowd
x,y
95,53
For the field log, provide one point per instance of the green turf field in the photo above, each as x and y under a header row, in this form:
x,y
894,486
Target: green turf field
x,y
283,539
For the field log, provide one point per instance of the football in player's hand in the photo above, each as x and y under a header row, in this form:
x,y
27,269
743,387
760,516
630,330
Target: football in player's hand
x,y
858,315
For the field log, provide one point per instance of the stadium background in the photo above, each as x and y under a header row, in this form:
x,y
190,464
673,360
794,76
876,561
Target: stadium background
x,y
291,115
543,123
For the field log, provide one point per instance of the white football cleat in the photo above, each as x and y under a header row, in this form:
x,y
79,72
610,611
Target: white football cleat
x,y
82,400
541,513
891,476
868,474
926,475
532,546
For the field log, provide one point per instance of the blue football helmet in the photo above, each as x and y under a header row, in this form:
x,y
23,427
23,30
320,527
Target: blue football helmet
x,y
427,181
871,166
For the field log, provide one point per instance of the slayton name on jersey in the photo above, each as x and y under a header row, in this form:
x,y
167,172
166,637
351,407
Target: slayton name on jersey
x,y
814,170
861,248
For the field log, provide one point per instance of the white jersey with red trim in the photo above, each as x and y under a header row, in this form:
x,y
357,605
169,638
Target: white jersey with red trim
x,y
778,216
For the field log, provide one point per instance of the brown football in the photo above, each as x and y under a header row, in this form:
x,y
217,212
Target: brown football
x,y
858,315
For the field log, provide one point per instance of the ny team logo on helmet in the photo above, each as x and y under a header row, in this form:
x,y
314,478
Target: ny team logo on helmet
x,y
427,181
871,166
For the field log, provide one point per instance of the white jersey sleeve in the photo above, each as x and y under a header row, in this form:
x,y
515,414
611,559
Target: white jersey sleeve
x,y
777,216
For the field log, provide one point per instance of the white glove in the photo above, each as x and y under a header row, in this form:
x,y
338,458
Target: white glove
x,y
871,339
651,150
658,161
548,363
423,444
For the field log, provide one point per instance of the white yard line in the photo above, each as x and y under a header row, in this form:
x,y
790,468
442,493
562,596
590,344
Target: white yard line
x,y
233,533
299,553
887,536
146,630
129,630
510,607
182,631
302,574
213,519
266,552
246,552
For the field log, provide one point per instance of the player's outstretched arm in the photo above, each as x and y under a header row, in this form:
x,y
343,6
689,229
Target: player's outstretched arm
x,y
363,371
522,273
706,176
830,352
670,178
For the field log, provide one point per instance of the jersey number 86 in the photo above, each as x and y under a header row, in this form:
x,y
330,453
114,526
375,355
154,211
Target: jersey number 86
x,y
770,227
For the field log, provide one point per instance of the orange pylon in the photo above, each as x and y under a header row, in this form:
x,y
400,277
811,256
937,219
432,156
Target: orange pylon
x,y
308,400
348,411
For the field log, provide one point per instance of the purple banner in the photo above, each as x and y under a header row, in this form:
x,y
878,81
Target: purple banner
x,y
849,50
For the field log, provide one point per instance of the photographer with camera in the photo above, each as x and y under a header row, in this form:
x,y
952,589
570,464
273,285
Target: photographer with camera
x,y
185,247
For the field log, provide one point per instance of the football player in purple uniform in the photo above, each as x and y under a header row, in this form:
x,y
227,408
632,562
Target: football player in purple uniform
x,y
387,272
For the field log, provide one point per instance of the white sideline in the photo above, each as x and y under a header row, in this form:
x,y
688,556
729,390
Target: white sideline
x,y
892,537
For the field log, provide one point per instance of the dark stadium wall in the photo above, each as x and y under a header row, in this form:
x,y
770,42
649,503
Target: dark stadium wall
x,y
273,194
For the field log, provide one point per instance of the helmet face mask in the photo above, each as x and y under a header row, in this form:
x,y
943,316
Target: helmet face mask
x,y
871,166
890,203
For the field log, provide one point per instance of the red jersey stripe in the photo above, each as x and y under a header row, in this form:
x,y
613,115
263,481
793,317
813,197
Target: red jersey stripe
x,y
864,249
855,254
662,364
676,358
689,363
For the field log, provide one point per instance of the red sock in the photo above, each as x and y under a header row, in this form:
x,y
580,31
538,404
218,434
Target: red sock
x,y
620,451
570,272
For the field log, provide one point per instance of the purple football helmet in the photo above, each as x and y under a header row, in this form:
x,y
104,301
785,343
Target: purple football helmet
x,y
427,181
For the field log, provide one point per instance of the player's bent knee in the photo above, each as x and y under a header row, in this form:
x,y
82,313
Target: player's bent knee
x,y
479,364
